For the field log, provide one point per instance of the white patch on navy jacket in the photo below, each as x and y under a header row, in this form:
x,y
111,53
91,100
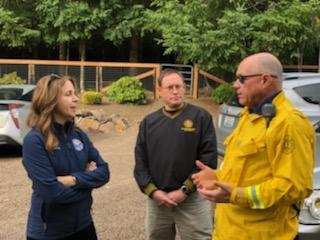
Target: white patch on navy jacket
x,y
78,145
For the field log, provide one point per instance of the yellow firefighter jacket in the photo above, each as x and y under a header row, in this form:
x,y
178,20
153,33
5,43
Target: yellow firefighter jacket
x,y
270,169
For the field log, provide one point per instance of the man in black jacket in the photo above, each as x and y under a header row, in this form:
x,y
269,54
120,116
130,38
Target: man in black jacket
x,y
169,142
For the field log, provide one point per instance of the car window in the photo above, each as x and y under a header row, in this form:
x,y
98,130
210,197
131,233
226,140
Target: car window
x,y
309,93
317,126
27,96
10,93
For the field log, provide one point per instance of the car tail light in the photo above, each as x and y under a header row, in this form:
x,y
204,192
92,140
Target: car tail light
x,y
13,108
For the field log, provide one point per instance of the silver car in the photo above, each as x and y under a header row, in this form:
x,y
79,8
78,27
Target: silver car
x,y
303,89
15,102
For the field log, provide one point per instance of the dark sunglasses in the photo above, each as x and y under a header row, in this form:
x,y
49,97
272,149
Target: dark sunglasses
x,y
243,78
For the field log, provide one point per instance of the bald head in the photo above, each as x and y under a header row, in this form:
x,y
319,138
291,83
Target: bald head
x,y
265,63
261,77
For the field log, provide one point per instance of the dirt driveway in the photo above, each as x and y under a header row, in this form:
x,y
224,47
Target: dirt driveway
x,y
118,208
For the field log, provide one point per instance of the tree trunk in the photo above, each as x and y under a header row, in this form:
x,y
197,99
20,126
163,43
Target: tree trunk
x,y
319,58
82,52
134,49
300,57
34,52
62,51
67,57
62,56
134,53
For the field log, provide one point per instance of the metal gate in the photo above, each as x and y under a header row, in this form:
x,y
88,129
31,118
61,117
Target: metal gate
x,y
186,71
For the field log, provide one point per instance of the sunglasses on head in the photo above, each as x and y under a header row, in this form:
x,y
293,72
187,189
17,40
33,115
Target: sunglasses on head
x,y
53,77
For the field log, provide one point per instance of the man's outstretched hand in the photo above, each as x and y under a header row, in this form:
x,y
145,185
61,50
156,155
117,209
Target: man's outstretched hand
x,y
221,194
205,178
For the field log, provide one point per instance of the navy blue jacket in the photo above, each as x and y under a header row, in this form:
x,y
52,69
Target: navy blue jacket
x,y
58,211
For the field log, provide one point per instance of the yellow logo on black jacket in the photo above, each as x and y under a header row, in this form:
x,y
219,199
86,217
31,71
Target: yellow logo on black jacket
x,y
188,126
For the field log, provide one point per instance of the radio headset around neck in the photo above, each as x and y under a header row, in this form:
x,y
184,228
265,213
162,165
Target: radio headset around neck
x,y
268,111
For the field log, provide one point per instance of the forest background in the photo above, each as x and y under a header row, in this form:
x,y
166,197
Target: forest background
x,y
216,34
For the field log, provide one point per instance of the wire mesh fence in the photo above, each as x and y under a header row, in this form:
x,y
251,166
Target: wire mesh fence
x,y
88,75
96,75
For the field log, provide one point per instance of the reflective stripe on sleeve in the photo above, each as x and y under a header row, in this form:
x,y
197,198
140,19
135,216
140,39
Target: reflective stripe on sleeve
x,y
254,194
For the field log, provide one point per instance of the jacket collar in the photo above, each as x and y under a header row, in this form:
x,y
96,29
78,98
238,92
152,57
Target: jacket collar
x,y
277,99
63,128
258,109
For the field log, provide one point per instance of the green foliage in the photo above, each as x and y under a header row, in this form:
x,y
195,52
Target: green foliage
x,y
218,40
78,20
15,31
91,97
127,90
216,34
11,78
128,22
223,93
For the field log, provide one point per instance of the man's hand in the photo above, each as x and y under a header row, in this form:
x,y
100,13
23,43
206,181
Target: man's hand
x,y
161,198
205,178
67,181
91,166
219,195
177,196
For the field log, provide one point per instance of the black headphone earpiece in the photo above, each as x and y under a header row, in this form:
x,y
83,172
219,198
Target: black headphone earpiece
x,y
268,111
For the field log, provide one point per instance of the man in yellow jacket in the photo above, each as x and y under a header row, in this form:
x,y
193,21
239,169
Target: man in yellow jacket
x,y
268,166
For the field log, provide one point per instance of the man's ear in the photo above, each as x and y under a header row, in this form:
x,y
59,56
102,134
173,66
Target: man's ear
x,y
266,80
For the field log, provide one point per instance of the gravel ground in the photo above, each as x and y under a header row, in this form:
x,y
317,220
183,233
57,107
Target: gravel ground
x,y
119,206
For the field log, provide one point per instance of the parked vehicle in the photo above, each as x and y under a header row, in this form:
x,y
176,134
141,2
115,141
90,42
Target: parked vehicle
x,y
303,89
15,102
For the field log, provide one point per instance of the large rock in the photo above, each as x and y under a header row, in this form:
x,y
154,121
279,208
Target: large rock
x,y
89,124
84,114
120,123
107,127
97,121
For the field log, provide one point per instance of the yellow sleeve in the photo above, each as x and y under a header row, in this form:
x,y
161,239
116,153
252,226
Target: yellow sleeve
x,y
292,169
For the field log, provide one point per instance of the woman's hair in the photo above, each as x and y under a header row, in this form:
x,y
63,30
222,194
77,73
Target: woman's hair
x,y
44,102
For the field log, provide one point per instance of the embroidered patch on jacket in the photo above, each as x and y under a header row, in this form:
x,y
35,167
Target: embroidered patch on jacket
x,y
78,145
188,126
288,144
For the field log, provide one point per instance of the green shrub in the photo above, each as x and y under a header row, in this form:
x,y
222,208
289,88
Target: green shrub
x,y
11,78
104,91
223,93
91,97
127,90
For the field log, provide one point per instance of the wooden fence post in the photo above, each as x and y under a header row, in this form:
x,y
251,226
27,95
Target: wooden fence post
x,y
81,77
156,93
97,79
31,74
195,82
100,78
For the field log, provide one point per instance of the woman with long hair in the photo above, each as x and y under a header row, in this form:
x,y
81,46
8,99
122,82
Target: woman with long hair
x,y
62,164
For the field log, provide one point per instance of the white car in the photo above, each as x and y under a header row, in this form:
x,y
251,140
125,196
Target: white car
x,y
303,89
15,102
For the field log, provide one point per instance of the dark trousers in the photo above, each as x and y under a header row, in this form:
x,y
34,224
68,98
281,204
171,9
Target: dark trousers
x,y
88,233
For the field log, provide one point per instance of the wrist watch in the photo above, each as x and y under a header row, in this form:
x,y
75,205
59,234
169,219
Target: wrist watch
x,y
185,190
